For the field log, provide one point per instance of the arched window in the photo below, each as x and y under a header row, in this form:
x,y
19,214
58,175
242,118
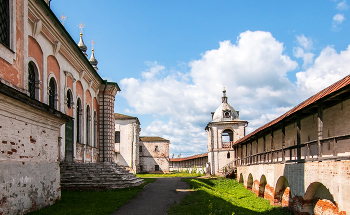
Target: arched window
x,y
88,120
5,23
227,138
52,93
31,80
78,119
95,129
69,99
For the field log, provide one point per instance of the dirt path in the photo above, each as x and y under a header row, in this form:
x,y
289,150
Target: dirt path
x,y
156,198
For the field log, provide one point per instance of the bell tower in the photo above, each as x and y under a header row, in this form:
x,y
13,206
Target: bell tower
x,y
222,132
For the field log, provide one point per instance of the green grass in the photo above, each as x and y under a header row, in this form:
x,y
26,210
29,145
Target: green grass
x,y
171,174
91,202
223,196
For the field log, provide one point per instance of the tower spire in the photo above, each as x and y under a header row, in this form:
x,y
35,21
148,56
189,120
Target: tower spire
x,y
224,98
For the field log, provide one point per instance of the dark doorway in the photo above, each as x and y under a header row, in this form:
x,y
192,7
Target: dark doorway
x,y
69,141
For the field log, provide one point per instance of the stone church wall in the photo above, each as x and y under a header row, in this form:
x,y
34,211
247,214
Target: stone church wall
x,y
30,175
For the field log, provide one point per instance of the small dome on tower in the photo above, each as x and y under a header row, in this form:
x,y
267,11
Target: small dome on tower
x,y
225,112
93,60
81,45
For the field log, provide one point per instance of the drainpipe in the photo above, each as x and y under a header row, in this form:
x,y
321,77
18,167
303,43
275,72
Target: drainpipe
x,y
103,120
132,146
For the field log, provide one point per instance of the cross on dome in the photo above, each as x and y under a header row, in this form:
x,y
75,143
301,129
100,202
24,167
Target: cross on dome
x,y
81,26
62,18
92,44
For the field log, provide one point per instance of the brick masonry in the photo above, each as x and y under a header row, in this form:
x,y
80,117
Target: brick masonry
x,y
30,176
149,157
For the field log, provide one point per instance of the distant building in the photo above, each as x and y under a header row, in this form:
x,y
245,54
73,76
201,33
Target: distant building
x,y
154,154
127,130
197,162
135,153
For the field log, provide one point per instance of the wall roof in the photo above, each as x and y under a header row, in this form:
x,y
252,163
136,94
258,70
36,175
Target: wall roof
x,y
190,158
119,116
153,139
310,101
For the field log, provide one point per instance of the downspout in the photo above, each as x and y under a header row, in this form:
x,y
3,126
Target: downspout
x,y
103,120
132,146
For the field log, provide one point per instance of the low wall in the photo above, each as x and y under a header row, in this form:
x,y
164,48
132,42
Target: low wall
x,y
305,187
190,169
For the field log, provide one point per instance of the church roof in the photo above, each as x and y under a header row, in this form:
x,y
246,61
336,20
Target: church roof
x,y
153,139
119,116
220,113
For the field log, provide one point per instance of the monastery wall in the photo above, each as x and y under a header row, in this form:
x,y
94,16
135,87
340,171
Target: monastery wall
x,y
315,183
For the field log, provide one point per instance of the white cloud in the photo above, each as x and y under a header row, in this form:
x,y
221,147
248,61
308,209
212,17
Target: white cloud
x,y
342,5
253,70
307,57
328,68
154,70
305,42
337,20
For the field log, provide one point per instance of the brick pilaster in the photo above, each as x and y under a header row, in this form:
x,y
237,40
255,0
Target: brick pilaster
x,y
106,125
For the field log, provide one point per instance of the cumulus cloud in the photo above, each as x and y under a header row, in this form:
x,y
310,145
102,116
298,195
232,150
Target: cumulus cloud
x,y
342,5
253,70
337,20
303,51
304,42
328,68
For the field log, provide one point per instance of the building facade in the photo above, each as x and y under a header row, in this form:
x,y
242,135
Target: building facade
x,y
54,106
127,136
154,155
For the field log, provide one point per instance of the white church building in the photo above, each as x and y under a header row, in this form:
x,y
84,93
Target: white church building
x,y
224,129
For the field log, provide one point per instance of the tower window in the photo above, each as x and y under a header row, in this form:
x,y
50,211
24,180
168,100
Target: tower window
x,y
227,114
228,155
156,148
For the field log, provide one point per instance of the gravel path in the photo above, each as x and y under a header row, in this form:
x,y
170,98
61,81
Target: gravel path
x,y
155,198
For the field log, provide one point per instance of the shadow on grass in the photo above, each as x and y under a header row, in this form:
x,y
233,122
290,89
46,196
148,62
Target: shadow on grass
x,y
213,200
91,202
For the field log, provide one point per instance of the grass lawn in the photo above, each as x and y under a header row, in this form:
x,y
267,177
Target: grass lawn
x,y
171,174
91,202
223,196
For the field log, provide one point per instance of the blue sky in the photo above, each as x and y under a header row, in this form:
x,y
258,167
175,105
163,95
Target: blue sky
x,y
172,58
